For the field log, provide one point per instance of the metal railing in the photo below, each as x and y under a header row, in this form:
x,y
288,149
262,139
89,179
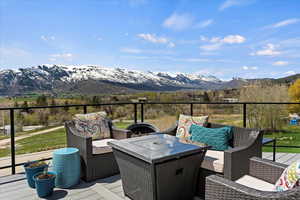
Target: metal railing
x,y
135,108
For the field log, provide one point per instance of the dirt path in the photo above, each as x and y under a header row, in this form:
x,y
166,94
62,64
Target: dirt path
x,y
6,142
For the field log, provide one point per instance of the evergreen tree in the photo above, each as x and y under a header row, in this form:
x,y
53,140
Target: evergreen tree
x,y
41,100
66,103
53,110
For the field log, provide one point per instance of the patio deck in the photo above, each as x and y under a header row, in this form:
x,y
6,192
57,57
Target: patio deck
x,y
15,187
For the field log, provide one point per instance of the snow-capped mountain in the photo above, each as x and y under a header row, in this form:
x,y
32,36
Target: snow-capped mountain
x,y
68,78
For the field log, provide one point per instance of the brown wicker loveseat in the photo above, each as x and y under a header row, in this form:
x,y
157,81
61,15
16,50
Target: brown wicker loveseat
x,y
96,162
258,184
232,163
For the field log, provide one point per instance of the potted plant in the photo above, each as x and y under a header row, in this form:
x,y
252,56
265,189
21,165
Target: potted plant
x,y
44,182
31,168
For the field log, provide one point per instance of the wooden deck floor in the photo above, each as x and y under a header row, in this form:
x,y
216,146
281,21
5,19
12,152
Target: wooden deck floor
x,y
14,187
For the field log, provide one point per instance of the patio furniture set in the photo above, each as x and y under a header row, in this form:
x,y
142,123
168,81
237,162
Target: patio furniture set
x,y
163,165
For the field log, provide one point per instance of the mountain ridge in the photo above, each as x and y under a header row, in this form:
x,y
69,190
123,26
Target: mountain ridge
x,y
91,79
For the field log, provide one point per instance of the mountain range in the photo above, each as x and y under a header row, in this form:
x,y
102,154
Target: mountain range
x,y
88,79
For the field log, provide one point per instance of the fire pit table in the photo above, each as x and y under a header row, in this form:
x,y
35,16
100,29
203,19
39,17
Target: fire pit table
x,y
158,167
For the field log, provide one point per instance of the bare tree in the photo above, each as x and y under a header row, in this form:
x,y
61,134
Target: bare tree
x,y
269,116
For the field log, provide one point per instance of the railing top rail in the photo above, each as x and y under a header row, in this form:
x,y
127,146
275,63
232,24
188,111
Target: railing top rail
x,y
148,102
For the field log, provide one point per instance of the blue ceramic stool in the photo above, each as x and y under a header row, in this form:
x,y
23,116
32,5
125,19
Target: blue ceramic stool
x,y
66,164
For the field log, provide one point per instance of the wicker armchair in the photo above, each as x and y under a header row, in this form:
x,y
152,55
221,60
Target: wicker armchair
x,y
95,163
218,188
142,128
246,143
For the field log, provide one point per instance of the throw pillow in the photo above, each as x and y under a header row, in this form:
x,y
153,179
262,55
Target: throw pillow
x,y
185,122
289,178
94,125
218,138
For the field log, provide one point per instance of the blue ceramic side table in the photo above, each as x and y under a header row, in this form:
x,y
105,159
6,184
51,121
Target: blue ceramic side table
x,y
66,164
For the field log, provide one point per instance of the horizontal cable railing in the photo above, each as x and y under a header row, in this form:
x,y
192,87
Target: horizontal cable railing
x,y
135,116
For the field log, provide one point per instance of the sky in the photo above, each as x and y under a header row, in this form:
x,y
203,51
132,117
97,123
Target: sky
x,y
224,38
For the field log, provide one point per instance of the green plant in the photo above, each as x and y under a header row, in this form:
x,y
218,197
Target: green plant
x,y
45,174
37,164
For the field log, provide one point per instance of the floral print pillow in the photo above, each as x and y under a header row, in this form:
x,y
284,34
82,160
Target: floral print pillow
x,y
94,125
185,122
290,178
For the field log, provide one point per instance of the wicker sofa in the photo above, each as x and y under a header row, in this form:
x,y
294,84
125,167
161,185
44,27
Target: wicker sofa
x,y
232,163
97,159
262,175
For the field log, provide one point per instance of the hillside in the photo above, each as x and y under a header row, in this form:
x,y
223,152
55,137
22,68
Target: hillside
x,y
85,79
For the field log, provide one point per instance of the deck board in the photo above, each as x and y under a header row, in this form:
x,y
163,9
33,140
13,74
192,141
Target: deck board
x,y
14,187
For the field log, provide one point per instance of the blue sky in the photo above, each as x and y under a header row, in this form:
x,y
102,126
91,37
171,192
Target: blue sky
x,y
225,38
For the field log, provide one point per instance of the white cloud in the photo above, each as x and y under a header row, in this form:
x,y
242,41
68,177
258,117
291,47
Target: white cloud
x,y
155,39
47,38
231,39
203,38
61,56
284,23
99,38
290,73
249,67
268,50
218,42
230,3
130,50
280,63
205,23
211,47
171,45
178,22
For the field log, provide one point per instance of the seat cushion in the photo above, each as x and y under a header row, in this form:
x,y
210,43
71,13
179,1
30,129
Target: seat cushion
x,y
94,125
214,161
255,183
185,122
101,146
218,138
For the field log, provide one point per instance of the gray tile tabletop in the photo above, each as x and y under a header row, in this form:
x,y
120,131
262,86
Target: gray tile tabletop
x,y
155,148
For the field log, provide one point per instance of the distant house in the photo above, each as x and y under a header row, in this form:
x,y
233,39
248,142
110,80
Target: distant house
x,y
139,100
5,129
230,100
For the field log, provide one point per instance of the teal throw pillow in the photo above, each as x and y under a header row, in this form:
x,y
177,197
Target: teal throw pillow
x,y
218,138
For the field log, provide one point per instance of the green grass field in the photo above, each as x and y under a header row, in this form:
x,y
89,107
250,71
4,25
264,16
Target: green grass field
x,y
290,137
43,142
57,139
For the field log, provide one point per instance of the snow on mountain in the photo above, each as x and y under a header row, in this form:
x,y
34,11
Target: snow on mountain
x,y
48,77
119,75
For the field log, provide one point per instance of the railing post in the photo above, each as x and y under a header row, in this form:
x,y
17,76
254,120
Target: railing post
x,y
142,112
191,107
135,113
12,141
244,115
84,109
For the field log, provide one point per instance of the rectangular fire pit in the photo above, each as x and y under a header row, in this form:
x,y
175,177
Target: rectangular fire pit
x,y
158,167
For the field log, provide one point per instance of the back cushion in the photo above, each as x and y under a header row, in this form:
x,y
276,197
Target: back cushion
x,y
185,122
94,125
218,138
289,178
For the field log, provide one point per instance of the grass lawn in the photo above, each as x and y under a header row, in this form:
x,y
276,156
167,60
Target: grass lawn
x,y
27,132
43,142
291,137
57,139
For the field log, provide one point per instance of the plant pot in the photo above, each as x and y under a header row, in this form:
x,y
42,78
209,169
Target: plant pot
x,y
44,187
32,171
